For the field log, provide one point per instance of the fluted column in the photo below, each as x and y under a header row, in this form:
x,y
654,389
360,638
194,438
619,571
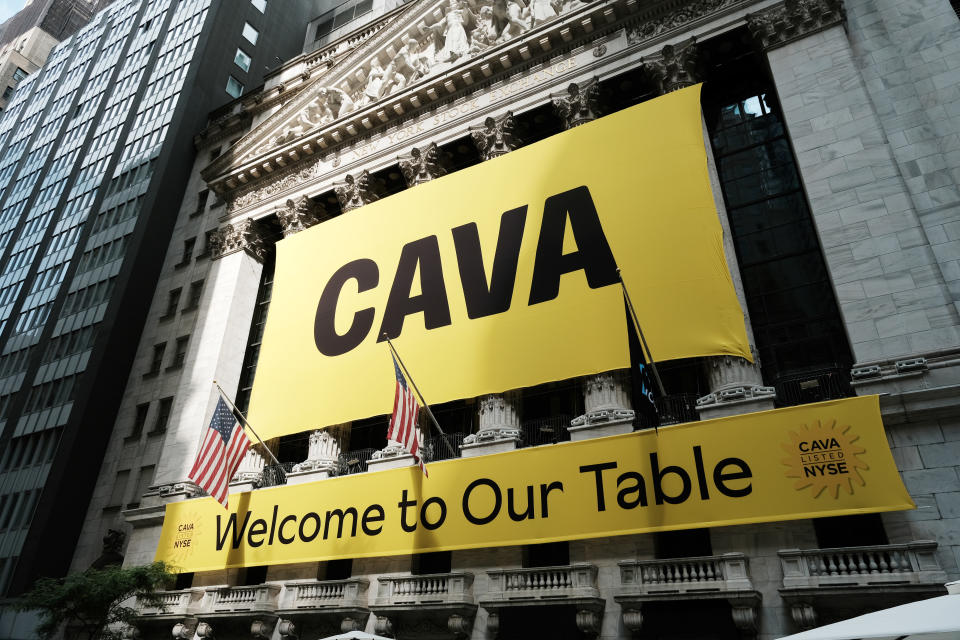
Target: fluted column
x,y
736,384
606,396
498,413
249,474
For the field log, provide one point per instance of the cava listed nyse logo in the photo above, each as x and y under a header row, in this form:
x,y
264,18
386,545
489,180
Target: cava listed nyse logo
x,y
182,542
824,456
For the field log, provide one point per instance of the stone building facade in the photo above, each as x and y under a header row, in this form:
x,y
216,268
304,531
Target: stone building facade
x,y
834,143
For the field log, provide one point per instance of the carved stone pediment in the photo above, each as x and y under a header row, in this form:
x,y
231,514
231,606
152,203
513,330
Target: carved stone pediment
x,y
358,90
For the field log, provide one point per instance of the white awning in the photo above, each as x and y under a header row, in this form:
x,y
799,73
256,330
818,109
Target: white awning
x,y
933,619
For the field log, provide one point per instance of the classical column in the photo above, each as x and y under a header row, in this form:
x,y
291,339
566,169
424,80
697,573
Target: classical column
x,y
606,396
297,215
249,475
736,385
226,307
496,136
498,413
499,428
356,192
422,166
322,456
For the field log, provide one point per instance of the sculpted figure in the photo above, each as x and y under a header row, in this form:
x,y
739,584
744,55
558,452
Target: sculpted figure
x,y
456,43
373,90
541,11
511,18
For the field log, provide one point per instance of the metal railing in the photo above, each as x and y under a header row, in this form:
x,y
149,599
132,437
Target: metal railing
x,y
274,475
813,386
434,449
540,431
354,461
674,408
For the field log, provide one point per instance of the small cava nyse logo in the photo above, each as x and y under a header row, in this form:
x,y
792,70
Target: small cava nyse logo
x,y
183,537
824,456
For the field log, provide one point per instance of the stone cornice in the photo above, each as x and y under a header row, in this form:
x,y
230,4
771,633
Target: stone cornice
x,y
794,19
242,181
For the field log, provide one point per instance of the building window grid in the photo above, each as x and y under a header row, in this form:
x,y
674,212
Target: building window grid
x,y
252,353
164,408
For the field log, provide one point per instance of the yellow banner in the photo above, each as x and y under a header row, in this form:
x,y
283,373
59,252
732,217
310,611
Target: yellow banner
x,y
815,460
503,275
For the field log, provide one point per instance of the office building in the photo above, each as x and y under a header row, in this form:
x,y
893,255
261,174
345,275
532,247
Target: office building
x,y
832,130
96,150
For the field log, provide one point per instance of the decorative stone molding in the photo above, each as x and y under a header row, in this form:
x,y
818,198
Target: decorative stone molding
x,y
184,630
804,615
287,630
633,620
460,626
355,192
383,626
606,399
588,621
250,470
672,19
499,418
280,181
793,20
422,166
746,619
493,624
580,105
496,137
244,235
675,67
186,488
262,629
295,216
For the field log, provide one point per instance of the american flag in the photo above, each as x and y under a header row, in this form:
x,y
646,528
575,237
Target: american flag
x,y
222,449
403,422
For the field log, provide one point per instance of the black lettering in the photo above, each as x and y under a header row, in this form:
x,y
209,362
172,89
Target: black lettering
x,y
842,467
497,501
701,474
526,515
282,538
638,487
807,473
258,528
545,490
443,513
373,513
598,469
325,335
432,300
403,504
316,529
659,496
273,524
340,515
231,530
482,300
720,477
593,253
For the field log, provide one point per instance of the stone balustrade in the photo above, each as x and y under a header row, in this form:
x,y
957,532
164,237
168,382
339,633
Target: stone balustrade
x,y
324,594
261,597
725,573
573,581
173,603
911,563
428,589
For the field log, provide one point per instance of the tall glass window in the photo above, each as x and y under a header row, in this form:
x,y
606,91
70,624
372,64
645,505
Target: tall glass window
x,y
250,33
234,87
242,60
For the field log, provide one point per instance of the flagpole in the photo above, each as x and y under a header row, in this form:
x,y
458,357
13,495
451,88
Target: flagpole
x,y
422,400
643,341
243,419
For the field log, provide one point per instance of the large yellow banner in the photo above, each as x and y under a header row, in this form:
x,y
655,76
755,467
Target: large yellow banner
x,y
503,275
815,460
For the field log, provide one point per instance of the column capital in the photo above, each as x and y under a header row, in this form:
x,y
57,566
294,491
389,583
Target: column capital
x,y
244,235
356,192
297,215
580,105
496,136
793,20
675,67
422,166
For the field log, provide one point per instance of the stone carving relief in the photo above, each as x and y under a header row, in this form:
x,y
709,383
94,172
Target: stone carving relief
x,y
794,19
581,104
676,18
244,235
675,67
289,181
329,104
422,166
295,216
496,136
356,192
